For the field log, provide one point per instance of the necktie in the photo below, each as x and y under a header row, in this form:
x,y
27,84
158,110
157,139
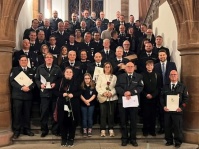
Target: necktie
x,y
173,87
72,64
149,55
24,69
98,65
163,73
49,69
119,61
26,53
106,55
52,48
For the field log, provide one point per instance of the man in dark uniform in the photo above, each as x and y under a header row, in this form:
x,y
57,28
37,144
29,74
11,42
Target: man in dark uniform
x,y
128,84
61,35
34,27
74,64
107,54
32,57
53,49
54,21
159,46
173,119
47,29
116,21
118,63
147,55
97,42
74,23
164,68
104,20
21,98
52,73
40,41
89,22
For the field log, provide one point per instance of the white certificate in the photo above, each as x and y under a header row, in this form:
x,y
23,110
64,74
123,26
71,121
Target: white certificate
x,y
22,79
42,79
29,63
48,86
132,102
172,102
98,71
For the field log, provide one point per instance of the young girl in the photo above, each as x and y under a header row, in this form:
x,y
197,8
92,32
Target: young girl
x,y
88,104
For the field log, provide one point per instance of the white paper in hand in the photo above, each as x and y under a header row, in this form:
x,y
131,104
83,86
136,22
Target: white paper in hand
x,y
132,102
172,102
66,108
43,80
23,80
48,86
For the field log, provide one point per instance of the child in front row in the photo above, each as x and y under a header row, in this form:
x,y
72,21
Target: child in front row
x,y
88,98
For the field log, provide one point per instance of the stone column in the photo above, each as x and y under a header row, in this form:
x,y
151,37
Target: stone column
x,y
125,9
8,20
186,14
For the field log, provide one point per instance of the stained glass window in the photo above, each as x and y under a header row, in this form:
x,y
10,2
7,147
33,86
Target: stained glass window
x,y
97,6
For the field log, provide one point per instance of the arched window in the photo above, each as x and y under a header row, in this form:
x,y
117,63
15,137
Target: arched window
x,y
78,6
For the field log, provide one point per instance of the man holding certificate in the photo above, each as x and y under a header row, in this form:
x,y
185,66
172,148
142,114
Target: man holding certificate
x,y
22,86
174,98
129,85
46,77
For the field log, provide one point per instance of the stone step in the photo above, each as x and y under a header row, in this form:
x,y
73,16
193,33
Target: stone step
x,y
95,137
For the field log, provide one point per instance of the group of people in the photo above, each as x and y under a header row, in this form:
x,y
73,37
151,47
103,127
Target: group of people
x,y
76,66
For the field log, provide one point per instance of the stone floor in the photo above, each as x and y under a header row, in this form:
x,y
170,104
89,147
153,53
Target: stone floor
x,y
143,144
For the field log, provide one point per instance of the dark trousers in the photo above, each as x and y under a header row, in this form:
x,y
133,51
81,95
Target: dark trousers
x,y
107,110
149,117
21,114
67,127
47,108
173,124
160,115
125,115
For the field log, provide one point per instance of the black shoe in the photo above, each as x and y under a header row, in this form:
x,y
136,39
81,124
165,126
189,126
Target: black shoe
x,y
124,143
161,131
15,135
29,133
70,143
134,143
169,143
145,134
177,145
63,142
43,134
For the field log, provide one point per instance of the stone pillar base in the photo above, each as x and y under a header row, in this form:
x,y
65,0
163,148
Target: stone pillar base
x,y
5,137
191,137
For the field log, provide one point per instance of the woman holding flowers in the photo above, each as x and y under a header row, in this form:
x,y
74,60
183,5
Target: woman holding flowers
x,y
105,87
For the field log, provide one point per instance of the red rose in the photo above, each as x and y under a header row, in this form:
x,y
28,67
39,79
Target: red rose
x,y
108,83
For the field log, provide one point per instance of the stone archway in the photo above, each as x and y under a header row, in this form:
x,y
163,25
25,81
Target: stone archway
x,y
9,12
186,14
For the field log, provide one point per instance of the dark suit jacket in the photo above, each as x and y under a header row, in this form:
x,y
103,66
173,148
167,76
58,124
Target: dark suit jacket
x,y
27,33
108,58
142,61
53,76
169,66
116,70
123,84
61,39
17,93
91,67
77,69
54,23
156,50
75,26
47,32
31,55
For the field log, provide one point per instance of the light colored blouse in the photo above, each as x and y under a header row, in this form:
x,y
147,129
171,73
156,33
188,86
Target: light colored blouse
x,y
101,85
